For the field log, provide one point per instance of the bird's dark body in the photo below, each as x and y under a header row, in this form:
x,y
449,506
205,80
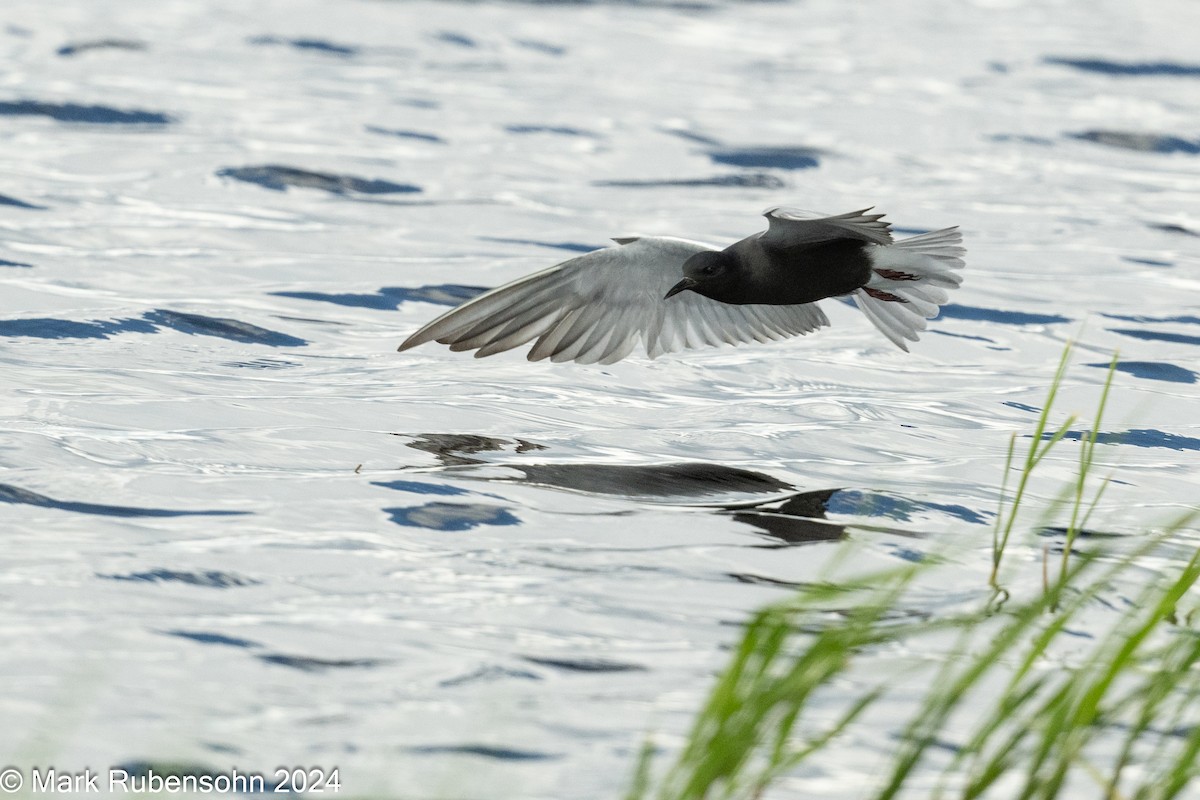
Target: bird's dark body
x,y
748,273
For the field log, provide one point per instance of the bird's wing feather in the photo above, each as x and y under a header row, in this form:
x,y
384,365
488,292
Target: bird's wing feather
x,y
597,307
792,227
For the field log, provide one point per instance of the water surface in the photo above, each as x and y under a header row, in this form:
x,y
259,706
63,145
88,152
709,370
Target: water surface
x,y
242,530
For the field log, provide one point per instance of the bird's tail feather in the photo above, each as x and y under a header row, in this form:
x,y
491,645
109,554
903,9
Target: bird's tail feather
x,y
909,283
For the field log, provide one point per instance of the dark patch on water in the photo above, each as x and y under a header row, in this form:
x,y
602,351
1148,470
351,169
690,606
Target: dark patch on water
x,y
956,311
484,751
790,158
574,247
315,45
205,637
1170,227
73,112
1154,371
261,363
585,664
750,180
1021,139
876,504
382,300
907,554
455,38
1158,336
451,516
6,263
49,328
278,178
313,664
490,674
661,480
454,449
76,48
403,134
390,298
5,200
221,327
310,321
212,579
1148,437
954,335
417,487
1056,531
1142,142
150,322
1150,262
1023,407
17,496
959,512
936,743
447,294
1128,68
418,102
1187,319
541,47
1137,437
557,130
692,136
763,580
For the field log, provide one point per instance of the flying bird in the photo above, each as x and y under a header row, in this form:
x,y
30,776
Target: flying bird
x,y
674,294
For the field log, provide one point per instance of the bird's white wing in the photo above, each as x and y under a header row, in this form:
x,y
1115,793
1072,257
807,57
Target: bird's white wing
x,y
597,307
792,227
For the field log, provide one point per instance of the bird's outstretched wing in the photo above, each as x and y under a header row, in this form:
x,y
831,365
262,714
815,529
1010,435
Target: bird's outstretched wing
x,y
792,227
597,307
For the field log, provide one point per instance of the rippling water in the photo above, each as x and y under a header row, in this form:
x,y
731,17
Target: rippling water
x,y
241,530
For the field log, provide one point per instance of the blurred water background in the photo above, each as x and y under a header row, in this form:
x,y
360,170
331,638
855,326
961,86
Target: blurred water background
x,y
241,530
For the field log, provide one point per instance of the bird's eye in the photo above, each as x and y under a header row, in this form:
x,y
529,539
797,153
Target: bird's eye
x,y
710,269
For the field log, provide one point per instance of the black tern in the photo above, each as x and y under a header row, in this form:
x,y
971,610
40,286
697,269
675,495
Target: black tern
x,y
674,294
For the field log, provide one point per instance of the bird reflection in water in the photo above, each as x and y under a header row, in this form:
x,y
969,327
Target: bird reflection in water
x,y
770,506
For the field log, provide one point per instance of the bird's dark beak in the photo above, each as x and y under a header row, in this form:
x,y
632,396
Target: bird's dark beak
x,y
686,283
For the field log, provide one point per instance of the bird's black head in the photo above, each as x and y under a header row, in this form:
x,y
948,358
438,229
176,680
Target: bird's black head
x,y
712,273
